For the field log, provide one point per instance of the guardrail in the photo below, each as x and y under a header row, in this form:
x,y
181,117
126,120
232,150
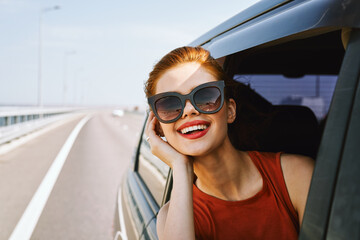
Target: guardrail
x,y
16,122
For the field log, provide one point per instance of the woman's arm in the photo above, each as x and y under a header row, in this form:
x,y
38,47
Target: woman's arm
x,y
297,172
175,219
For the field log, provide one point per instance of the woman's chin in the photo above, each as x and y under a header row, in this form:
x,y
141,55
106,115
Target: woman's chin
x,y
195,151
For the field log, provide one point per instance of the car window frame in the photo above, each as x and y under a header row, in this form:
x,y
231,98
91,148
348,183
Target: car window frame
x,y
157,196
331,151
134,189
343,221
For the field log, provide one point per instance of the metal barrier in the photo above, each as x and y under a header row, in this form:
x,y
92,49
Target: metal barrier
x,y
16,122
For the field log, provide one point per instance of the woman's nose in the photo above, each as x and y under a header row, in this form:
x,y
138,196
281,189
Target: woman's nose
x,y
189,109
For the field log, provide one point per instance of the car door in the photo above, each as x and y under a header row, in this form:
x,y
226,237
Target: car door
x,y
143,191
333,206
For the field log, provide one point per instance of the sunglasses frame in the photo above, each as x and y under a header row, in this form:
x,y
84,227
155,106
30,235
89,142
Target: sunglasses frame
x,y
218,84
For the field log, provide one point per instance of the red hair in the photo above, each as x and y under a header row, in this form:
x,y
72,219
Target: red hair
x,y
179,56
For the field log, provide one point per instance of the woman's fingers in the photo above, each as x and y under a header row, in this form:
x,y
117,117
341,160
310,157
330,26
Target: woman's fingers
x,y
150,126
150,131
159,147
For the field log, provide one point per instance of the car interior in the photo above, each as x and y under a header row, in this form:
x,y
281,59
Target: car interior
x,y
303,73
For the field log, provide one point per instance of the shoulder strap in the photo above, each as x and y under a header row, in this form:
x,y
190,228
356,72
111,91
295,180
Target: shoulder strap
x,y
269,165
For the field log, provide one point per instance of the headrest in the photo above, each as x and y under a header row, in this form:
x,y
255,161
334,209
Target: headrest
x,y
291,129
261,126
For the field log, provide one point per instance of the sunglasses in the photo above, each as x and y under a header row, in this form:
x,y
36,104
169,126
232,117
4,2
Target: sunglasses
x,y
206,98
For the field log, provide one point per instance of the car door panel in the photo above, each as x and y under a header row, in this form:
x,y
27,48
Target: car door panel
x,y
150,231
344,222
331,148
138,202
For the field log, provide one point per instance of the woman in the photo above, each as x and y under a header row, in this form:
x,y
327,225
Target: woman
x,y
219,192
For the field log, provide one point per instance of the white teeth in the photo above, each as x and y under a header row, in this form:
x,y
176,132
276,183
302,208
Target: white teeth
x,y
193,128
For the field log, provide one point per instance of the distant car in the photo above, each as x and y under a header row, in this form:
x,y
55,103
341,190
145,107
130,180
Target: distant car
x,y
300,63
118,113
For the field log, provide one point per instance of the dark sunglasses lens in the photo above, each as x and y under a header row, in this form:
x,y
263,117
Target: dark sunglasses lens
x,y
168,108
208,99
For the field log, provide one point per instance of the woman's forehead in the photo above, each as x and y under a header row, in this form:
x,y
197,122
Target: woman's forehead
x,y
183,78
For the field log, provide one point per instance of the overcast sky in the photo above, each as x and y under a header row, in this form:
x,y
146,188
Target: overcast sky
x,y
101,51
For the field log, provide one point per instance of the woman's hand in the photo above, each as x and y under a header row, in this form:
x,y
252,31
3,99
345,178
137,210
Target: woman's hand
x,y
175,219
160,148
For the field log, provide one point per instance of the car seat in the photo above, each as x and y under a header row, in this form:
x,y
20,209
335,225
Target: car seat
x,y
261,126
291,129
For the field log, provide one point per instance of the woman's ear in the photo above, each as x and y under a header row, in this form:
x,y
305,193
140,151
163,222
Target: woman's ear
x,y
231,109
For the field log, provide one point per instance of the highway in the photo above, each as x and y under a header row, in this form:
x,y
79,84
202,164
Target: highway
x,y
81,203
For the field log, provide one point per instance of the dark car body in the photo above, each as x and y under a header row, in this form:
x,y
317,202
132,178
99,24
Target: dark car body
x,y
300,60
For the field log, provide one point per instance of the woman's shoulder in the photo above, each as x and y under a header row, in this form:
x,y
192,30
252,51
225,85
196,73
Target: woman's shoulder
x,y
291,162
288,162
296,167
297,171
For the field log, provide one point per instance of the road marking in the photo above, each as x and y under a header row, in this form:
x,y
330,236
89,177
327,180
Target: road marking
x,y
122,232
30,217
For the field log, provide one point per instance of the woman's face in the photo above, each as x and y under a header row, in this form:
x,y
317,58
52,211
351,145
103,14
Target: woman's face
x,y
182,79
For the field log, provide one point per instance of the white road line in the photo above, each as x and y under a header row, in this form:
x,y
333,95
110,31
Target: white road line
x,y
122,232
30,217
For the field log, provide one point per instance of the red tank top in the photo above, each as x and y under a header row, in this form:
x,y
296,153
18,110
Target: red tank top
x,y
267,215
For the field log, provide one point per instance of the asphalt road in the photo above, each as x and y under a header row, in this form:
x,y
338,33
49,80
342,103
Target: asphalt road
x,y
82,202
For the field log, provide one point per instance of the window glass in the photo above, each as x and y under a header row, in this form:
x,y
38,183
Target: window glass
x,y
288,95
153,171
2,121
313,91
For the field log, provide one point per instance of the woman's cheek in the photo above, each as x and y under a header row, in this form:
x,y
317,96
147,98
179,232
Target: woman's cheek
x,y
172,137
169,133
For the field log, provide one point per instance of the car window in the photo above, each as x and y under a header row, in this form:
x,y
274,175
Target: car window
x,y
286,93
313,91
152,170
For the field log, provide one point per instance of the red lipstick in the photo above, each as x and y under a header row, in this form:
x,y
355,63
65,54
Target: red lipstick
x,y
195,134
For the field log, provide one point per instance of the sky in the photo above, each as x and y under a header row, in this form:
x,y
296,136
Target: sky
x,y
95,53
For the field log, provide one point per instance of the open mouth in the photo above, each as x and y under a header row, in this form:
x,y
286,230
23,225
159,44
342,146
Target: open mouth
x,y
194,129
